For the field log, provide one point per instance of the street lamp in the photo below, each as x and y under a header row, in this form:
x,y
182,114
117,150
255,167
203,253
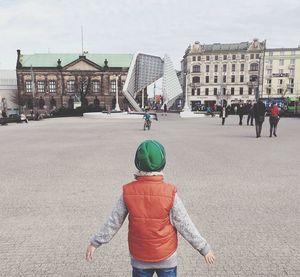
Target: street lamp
x,y
117,107
186,107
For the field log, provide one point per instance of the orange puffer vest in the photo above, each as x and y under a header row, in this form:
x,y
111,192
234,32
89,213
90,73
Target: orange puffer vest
x,y
151,236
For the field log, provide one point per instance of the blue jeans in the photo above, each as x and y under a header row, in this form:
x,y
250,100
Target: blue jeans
x,y
162,272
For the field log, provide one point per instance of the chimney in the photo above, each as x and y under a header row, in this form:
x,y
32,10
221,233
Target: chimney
x,y
19,65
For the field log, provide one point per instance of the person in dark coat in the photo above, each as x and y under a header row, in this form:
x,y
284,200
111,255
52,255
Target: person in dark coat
x,y
224,114
250,114
165,109
241,111
259,111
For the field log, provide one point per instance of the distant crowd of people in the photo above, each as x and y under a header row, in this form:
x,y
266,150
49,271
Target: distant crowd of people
x,y
255,112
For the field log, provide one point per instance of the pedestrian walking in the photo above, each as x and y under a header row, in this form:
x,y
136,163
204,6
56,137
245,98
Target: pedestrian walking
x,y
241,111
274,119
156,213
224,114
165,109
259,111
250,114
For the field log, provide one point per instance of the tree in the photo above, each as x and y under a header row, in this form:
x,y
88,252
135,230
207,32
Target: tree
x,y
22,100
84,87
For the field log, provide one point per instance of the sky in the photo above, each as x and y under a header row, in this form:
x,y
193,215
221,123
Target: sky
x,y
153,27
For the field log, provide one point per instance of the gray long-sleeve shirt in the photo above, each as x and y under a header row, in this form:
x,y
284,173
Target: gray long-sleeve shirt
x,y
179,219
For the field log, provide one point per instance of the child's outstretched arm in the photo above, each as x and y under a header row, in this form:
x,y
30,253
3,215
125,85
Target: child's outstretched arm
x,y
109,229
184,225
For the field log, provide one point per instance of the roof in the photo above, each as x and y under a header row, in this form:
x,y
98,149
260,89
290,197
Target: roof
x,y
50,59
227,46
283,49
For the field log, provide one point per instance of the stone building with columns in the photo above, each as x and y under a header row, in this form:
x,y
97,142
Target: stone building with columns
x,y
223,73
48,81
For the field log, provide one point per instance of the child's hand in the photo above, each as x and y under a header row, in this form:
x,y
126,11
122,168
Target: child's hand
x,y
90,252
209,258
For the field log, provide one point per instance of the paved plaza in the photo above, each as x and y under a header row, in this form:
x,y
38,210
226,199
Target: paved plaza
x,y
61,177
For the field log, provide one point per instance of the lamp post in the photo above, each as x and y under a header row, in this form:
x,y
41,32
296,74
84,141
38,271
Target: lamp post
x,y
186,107
117,107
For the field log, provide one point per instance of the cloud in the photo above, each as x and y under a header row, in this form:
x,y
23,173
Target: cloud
x,y
149,26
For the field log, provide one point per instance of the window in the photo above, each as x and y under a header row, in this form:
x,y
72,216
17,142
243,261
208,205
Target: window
x,y
206,79
242,78
253,78
232,91
206,91
207,58
224,67
233,57
52,86
270,53
252,56
291,81
224,91
41,86
198,91
269,81
215,79
241,91
268,91
216,68
233,67
242,68
193,91
207,68
292,72
279,91
96,86
250,91
28,87
280,71
224,79
216,58
281,61
293,53
281,53
224,57
269,71
196,79
280,81
194,58
292,61
196,68
270,62
199,58
257,56
291,90
232,79
113,86
254,67
242,57
215,91
71,86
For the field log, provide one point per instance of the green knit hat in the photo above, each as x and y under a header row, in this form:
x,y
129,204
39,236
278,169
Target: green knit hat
x,y
150,156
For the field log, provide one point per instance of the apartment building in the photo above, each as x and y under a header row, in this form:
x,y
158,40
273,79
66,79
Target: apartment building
x,y
281,73
223,73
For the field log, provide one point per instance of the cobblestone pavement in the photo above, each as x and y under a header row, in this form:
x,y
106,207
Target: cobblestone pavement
x,y
61,177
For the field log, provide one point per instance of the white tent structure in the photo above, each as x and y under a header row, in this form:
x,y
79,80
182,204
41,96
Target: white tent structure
x,y
146,69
